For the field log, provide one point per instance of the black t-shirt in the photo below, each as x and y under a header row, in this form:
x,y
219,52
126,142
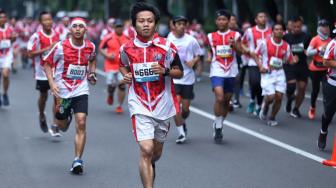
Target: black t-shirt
x,y
298,43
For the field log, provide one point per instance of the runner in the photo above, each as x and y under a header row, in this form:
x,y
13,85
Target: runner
x,y
274,52
189,52
202,40
7,37
38,46
109,28
252,37
63,28
297,74
329,90
318,71
148,63
75,65
224,68
109,48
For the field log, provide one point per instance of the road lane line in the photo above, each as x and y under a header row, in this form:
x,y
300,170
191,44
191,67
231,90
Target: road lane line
x,y
260,136
250,132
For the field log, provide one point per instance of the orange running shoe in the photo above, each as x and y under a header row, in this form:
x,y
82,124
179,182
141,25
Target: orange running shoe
x,y
119,110
311,113
109,100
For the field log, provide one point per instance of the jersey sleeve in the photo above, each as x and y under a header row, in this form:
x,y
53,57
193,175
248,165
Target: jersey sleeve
x,y
313,43
289,54
330,51
123,58
237,36
261,48
33,43
53,56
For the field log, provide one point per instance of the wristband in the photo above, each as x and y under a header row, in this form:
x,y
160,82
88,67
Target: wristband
x,y
167,71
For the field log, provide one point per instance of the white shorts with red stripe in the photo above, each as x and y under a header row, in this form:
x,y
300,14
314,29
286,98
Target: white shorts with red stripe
x,y
7,60
148,128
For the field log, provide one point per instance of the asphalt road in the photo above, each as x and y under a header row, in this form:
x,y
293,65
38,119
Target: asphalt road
x,y
30,158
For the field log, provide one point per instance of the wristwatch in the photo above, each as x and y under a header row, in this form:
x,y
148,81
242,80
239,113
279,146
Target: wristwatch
x,y
167,71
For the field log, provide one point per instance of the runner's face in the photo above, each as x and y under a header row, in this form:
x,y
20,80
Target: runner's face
x,y
278,31
119,30
233,22
297,26
3,19
325,30
261,19
78,31
180,27
222,22
46,21
145,24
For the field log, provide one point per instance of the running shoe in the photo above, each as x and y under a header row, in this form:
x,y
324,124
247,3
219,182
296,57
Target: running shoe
x,y
263,113
77,167
43,123
321,142
5,100
272,122
181,139
311,113
119,110
54,131
218,134
236,104
109,100
250,108
295,113
257,111
185,128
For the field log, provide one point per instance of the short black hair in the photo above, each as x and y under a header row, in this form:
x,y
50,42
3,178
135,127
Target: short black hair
x,y
260,12
275,24
297,19
141,6
2,12
43,13
223,12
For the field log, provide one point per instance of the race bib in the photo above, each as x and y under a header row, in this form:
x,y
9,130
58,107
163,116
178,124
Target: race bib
x,y
333,73
143,72
76,72
4,44
276,62
224,51
298,48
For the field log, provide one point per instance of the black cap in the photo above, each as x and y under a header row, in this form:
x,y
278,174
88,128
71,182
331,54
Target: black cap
x,y
180,18
118,23
323,22
223,12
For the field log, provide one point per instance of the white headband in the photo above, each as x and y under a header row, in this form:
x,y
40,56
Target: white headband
x,y
78,21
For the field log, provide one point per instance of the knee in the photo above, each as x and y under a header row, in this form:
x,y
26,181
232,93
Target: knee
x,y
278,97
220,98
81,125
291,88
147,151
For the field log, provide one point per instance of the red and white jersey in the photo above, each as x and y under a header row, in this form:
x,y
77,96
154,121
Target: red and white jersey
x,y
38,41
150,94
201,39
224,61
330,54
130,32
274,54
62,30
5,40
71,67
252,37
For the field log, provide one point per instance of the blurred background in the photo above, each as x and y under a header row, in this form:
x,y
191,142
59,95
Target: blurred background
x,y
201,11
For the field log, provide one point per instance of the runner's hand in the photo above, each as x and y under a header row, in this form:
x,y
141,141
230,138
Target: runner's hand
x,y
54,90
295,59
128,78
262,70
92,78
158,69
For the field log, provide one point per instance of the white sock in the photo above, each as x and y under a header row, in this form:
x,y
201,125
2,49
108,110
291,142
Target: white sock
x,y
219,122
180,130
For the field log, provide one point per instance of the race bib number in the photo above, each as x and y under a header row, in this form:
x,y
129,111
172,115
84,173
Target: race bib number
x,y
4,44
276,62
298,48
76,72
143,72
224,51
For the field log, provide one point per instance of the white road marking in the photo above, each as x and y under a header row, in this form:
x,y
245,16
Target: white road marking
x,y
250,132
260,136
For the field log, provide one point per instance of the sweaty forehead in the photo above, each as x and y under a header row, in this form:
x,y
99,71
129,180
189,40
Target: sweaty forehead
x,y
145,15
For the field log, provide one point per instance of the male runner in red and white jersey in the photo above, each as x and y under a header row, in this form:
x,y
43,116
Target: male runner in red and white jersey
x,y
224,44
74,62
274,52
189,52
7,37
251,38
148,63
318,71
109,48
38,46
63,28
329,91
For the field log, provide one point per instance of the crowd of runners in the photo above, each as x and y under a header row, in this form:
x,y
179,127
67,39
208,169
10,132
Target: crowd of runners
x,y
158,73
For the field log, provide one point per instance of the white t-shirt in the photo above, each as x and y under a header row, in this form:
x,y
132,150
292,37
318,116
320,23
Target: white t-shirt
x,y
187,48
